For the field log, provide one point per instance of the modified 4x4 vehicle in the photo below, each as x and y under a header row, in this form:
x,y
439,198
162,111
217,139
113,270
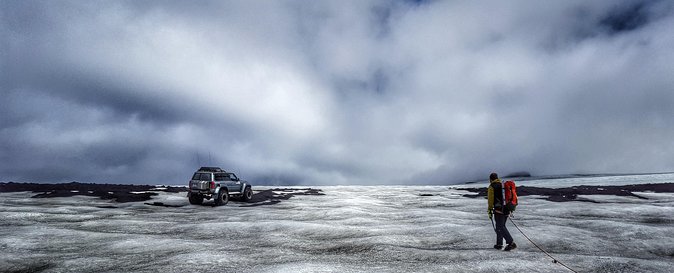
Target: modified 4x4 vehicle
x,y
214,182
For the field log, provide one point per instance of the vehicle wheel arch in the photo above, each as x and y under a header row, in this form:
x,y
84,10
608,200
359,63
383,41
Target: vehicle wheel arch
x,y
221,196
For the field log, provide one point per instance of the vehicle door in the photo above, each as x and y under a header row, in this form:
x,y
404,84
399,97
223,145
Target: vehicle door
x,y
200,181
234,184
222,179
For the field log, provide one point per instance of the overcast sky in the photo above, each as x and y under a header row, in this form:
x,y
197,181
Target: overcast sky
x,y
334,92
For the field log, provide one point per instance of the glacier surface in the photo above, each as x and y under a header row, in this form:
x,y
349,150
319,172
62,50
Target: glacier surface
x,y
349,229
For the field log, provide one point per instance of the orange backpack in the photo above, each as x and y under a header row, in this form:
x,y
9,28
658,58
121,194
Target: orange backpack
x,y
509,195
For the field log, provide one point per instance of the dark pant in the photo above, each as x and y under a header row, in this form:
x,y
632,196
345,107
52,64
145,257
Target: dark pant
x,y
501,230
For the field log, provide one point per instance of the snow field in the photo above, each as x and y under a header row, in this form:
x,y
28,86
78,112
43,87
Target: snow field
x,y
350,229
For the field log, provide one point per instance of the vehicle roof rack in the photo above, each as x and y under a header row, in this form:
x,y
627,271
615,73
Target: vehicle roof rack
x,y
210,169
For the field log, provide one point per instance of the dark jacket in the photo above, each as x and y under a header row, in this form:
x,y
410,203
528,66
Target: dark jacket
x,y
495,198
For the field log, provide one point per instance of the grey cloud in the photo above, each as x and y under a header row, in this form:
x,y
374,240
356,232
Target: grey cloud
x,y
627,18
333,92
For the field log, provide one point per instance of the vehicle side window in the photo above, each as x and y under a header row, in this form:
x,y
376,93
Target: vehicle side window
x,y
221,176
233,177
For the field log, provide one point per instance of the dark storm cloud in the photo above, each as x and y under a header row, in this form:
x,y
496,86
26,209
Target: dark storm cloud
x,y
333,92
626,18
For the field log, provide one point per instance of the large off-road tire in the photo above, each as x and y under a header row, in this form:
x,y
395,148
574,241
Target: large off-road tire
x,y
196,199
222,198
247,194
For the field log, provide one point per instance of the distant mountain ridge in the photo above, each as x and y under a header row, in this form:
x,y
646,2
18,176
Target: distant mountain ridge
x,y
525,176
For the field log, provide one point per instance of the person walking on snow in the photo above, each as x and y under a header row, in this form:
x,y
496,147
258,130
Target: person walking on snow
x,y
496,208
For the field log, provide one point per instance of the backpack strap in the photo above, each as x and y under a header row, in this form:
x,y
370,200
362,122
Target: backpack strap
x,y
503,196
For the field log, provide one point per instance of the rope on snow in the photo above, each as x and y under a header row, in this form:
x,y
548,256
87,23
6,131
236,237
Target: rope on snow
x,y
554,260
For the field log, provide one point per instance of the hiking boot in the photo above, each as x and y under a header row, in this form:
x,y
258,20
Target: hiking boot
x,y
499,247
510,247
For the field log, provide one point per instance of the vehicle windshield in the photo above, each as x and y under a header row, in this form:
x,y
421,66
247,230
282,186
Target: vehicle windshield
x,y
202,176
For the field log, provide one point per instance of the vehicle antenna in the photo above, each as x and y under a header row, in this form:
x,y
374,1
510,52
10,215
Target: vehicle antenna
x,y
209,159
198,160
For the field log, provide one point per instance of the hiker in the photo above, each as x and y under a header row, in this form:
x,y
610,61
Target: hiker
x,y
496,208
